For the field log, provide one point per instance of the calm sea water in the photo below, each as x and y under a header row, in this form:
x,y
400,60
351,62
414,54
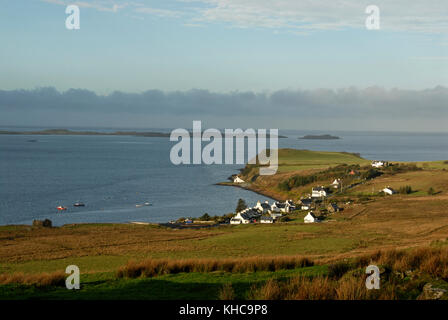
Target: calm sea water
x,y
111,174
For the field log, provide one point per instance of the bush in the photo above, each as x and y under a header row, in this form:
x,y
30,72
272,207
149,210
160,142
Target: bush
x,y
405,190
205,217
338,269
431,191
370,174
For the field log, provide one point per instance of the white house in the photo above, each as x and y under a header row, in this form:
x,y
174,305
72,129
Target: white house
x,y
238,180
336,183
310,218
286,206
235,221
379,164
290,204
266,220
241,217
318,192
389,191
263,207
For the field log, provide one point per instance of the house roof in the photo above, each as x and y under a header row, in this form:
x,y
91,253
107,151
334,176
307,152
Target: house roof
x,y
280,205
319,189
267,218
306,201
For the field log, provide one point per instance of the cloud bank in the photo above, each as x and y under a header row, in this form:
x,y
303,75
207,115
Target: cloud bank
x,y
304,16
351,108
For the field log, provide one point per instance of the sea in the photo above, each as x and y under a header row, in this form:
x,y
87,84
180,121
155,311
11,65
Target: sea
x,y
114,175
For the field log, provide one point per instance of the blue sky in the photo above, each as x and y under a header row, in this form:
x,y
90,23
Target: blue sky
x,y
222,46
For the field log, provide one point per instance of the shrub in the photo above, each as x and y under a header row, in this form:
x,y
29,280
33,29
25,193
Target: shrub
x,y
405,190
370,174
338,269
431,191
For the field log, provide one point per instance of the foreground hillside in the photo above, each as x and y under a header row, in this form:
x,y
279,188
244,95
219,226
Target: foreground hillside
x,y
406,234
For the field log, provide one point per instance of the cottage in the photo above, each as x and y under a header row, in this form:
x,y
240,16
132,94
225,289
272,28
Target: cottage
x,y
266,220
290,204
336,183
333,207
319,192
283,206
242,217
238,180
389,191
235,221
263,207
379,164
306,204
310,218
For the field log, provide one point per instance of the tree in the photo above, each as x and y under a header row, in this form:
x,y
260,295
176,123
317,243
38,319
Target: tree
x,y
205,217
241,205
431,191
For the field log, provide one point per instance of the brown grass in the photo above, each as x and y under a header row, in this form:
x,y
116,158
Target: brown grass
x,y
155,267
432,261
227,292
320,288
39,280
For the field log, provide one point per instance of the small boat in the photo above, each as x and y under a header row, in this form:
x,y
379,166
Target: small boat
x,y
61,208
138,205
79,204
147,204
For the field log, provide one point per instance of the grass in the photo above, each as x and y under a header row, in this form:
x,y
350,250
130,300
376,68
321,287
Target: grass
x,y
232,262
157,267
297,160
403,275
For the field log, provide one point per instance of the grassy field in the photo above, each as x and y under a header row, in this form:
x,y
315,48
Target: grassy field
x,y
368,223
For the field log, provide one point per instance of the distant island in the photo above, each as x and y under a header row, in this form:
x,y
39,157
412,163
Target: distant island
x,y
320,137
87,133
93,133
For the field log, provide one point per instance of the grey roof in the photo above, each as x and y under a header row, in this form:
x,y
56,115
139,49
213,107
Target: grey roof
x,y
280,205
306,201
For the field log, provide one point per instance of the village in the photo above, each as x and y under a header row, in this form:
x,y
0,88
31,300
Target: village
x,y
317,200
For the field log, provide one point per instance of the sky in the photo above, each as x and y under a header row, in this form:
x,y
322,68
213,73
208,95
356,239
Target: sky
x,y
315,54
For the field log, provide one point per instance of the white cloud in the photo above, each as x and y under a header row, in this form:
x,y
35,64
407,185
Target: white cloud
x,y
313,15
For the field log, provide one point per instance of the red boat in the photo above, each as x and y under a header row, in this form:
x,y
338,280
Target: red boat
x,y
61,208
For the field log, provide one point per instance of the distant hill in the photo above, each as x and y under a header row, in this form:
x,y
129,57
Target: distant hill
x,y
87,133
320,137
